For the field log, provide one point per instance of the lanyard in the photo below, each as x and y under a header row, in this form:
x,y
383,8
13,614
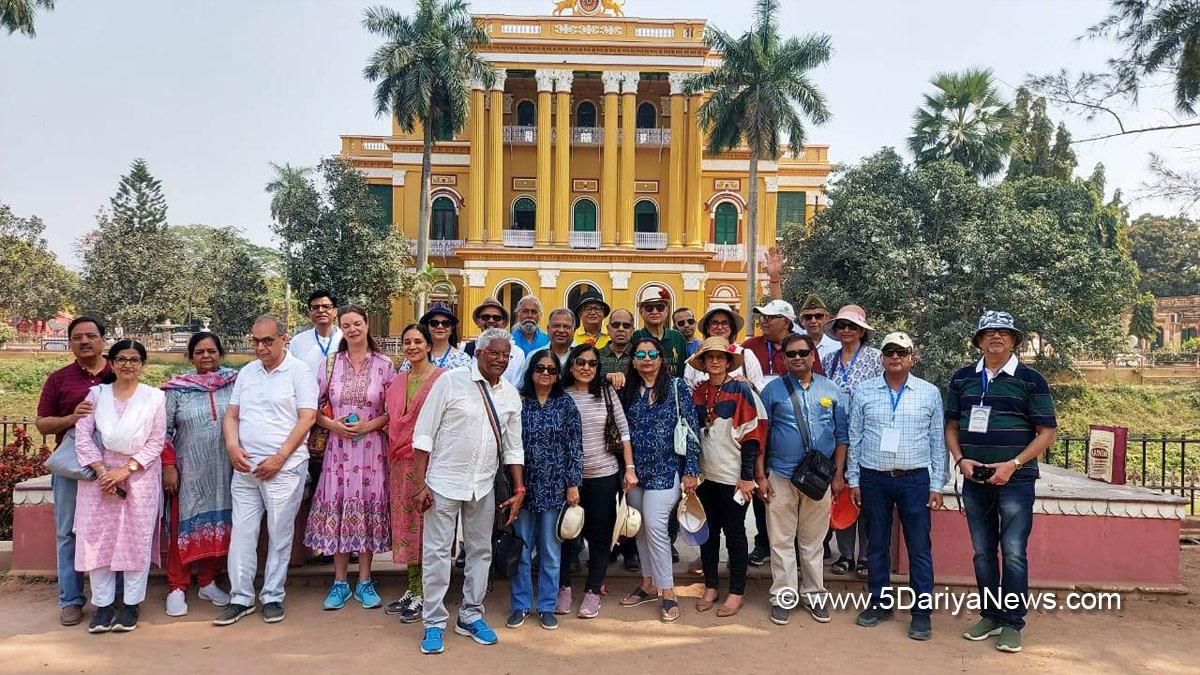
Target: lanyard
x,y
324,347
846,370
442,361
895,397
984,382
770,358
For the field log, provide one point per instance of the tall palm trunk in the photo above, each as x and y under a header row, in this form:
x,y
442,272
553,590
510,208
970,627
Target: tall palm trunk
x,y
423,212
751,297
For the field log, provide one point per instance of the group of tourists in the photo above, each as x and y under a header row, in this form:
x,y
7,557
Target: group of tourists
x,y
515,452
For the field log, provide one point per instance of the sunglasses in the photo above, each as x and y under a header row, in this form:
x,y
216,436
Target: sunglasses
x,y
685,322
620,324
896,351
811,317
797,353
440,323
586,363
656,307
844,325
544,369
652,354
490,317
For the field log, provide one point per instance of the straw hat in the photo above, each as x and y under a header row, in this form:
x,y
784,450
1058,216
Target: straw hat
x,y
629,521
570,522
490,302
716,344
654,294
855,315
738,322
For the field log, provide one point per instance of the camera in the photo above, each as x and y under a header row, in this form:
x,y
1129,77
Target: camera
x,y
980,474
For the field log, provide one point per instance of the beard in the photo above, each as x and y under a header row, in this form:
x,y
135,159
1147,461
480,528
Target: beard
x,y
528,326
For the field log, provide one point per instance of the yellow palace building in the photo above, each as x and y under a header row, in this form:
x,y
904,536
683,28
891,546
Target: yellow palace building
x,y
583,165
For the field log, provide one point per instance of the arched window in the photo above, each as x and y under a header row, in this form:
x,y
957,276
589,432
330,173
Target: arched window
x,y
444,222
725,224
509,294
585,114
645,216
526,114
584,219
524,214
647,116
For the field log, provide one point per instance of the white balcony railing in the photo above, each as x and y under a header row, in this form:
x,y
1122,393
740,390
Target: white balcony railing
x,y
585,239
727,252
650,241
652,136
587,135
520,135
444,248
518,238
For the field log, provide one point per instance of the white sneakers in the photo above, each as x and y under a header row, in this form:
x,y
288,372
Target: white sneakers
x,y
177,603
214,594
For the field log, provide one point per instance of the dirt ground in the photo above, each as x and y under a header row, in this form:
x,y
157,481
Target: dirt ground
x,y
1156,634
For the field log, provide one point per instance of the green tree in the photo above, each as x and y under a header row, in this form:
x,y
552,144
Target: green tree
x,y
422,73
17,15
926,249
1157,36
761,90
965,120
1141,323
1167,251
224,271
34,285
1037,148
329,239
240,294
139,203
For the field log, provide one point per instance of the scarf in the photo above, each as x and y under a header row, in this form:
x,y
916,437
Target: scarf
x,y
209,382
126,433
402,413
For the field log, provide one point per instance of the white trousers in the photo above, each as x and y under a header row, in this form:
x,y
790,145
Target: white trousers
x,y
279,499
104,586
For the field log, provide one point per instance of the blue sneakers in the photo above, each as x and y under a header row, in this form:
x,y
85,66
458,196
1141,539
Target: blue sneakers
x,y
432,644
339,593
477,630
365,593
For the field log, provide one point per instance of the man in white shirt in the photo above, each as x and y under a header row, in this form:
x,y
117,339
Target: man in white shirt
x,y
459,443
273,405
313,346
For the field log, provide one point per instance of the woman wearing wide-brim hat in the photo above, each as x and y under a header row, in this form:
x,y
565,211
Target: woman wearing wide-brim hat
x,y
734,424
721,321
443,330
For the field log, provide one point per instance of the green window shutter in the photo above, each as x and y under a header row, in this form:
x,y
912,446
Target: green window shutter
x,y
790,208
585,216
445,219
725,227
645,216
524,214
383,210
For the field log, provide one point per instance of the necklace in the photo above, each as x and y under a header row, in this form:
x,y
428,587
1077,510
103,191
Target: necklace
x,y
710,402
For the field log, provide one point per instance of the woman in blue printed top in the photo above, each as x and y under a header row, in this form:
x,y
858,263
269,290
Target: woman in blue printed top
x,y
553,437
654,401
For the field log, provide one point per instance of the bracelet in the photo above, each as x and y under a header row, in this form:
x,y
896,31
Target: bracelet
x,y
520,490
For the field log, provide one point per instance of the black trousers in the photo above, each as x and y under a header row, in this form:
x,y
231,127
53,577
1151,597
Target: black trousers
x,y
724,515
598,497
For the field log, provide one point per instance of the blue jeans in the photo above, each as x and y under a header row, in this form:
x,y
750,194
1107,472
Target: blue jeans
x,y
537,530
1001,516
909,495
70,582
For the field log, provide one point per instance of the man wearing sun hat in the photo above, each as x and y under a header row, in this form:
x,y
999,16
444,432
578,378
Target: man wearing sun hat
x,y
654,304
897,460
590,312
999,419
491,314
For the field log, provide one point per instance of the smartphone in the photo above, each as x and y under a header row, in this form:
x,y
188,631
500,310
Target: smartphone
x,y
739,497
352,418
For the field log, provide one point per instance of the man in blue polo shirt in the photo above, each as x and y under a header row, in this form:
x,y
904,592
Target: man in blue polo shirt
x,y
528,336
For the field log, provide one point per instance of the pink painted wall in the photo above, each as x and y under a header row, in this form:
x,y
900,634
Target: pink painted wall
x,y
33,538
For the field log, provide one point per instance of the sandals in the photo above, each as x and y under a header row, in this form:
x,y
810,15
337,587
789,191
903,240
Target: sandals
x,y
638,596
841,566
861,569
670,611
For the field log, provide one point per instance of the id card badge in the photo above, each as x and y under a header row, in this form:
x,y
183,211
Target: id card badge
x,y
979,419
889,441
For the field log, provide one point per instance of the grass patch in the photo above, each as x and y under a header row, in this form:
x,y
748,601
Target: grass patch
x,y
1150,409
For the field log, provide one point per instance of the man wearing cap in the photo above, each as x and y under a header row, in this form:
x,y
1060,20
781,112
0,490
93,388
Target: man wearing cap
x,y
792,515
589,314
776,319
813,317
528,336
999,419
685,322
653,304
491,314
897,461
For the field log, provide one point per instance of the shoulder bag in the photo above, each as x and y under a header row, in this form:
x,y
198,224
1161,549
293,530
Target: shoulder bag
x,y
815,472
506,545
612,433
318,437
683,430
64,461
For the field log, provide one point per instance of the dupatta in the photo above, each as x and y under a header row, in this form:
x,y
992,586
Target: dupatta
x,y
402,414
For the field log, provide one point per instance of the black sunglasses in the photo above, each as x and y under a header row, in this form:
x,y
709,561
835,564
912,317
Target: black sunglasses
x,y
440,323
896,351
844,325
543,368
797,353
586,363
620,324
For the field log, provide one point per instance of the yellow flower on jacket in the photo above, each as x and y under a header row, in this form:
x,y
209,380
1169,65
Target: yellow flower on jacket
x,y
826,402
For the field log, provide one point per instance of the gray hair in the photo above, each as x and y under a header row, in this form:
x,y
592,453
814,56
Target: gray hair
x,y
280,326
561,310
530,299
491,334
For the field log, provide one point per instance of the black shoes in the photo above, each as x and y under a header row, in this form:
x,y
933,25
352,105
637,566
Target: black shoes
x,y
872,616
127,618
780,616
921,627
759,556
232,613
102,620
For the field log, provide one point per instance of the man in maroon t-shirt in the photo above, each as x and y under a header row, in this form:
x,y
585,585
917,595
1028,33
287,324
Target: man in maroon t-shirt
x,y
776,319
60,406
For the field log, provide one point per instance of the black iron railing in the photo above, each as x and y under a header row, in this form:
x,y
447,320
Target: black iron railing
x,y
1161,463
8,429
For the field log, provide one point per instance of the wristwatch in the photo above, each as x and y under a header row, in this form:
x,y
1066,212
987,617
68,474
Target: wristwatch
x,y
133,466
1017,462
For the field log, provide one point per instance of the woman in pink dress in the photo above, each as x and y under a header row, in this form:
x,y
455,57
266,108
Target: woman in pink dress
x,y
407,480
349,512
116,515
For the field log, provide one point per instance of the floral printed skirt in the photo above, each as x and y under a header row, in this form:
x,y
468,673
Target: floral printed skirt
x,y
406,512
349,511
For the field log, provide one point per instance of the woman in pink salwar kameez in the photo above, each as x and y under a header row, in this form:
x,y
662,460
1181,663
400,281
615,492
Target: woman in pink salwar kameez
x,y
117,515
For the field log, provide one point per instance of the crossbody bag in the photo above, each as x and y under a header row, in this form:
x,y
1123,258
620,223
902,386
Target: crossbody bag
x,y
815,472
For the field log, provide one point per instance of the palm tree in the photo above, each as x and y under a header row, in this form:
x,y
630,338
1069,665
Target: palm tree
x,y
756,90
290,190
1157,35
17,15
964,120
423,72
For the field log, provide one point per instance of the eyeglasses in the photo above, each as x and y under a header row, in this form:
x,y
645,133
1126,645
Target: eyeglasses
x,y
769,319
797,353
655,307
127,360
266,342
685,322
718,322
545,369
85,337
844,325
206,352
440,323
812,317
591,308
652,354
321,308
503,356
896,351
994,331
490,317
586,363
620,324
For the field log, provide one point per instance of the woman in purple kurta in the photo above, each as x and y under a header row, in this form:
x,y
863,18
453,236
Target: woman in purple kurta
x,y
349,512
121,440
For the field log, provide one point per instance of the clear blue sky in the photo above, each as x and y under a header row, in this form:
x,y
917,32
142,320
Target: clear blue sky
x,y
211,92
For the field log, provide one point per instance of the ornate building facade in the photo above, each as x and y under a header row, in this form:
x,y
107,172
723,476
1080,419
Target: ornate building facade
x,y
583,165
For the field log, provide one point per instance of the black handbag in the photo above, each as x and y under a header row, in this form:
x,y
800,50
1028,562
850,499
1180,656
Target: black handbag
x,y
815,472
612,433
506,545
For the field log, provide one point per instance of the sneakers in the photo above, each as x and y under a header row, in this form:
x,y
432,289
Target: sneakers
x,y
1009,640
983,629
432,642
412,613
548,620
780,616
563,604
516,619
365,593
177,603
819,612
399,606
759,556
478,630
590,607
273,612
921,627
102,620
214,594
872,616
127,618
338,594
232,613
70,615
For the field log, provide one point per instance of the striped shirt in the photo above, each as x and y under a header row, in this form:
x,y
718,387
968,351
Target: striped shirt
x,y
917,418
1020,400
598,462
